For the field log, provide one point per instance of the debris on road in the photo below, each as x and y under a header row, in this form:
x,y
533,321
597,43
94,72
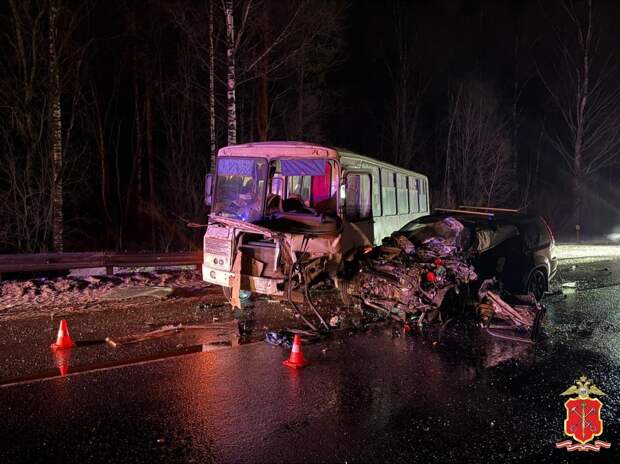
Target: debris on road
x,y
401,279
334,321
220,330
138,292
210,306
280,338
522,313
430,280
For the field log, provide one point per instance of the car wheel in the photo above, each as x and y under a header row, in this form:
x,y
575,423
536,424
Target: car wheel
x,y
537,284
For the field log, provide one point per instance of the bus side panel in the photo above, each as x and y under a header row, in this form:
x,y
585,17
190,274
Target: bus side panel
x,y
384,226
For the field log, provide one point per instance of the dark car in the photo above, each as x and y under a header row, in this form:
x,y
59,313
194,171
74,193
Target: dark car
x,y
518,249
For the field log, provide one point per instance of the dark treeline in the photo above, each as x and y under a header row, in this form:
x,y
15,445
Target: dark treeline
x,y
111,112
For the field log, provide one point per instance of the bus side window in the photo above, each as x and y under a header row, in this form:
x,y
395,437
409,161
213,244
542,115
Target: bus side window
x,y
413,195
423,207
357,197
388,192
376,188
402,197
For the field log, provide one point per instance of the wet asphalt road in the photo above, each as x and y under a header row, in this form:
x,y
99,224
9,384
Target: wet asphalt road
x,y
371,397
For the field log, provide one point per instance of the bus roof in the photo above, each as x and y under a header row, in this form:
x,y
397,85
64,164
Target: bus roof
x,y
278,149
381,164
271,150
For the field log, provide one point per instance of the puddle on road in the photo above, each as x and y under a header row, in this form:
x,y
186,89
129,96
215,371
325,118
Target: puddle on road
x,y
64,368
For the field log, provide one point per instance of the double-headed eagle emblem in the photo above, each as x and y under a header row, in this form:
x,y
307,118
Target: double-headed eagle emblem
x,y
584,388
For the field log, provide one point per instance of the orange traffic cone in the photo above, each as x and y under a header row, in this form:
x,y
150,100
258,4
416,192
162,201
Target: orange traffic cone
x,y
62,358
64,339
296,361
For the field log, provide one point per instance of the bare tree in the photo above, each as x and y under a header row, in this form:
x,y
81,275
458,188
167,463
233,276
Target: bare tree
x,y
212,131
37,157
150,149
479,147
299,97
55,130
529,190
231,77
408,87
446,190
582,84
266,43
99,119
523,71
25,192
182,163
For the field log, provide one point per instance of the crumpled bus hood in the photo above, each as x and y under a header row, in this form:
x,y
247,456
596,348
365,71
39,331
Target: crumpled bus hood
x,y
319,245
246,226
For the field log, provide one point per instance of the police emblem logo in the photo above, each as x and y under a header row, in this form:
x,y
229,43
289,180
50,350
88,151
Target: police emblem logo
x,y
583,421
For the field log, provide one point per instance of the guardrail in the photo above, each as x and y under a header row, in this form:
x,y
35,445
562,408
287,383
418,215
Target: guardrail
x,y
109,260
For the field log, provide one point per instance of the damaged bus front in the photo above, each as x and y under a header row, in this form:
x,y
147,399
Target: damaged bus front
x,y
274,225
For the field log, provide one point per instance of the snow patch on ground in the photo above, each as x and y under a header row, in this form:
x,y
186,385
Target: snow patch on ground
x,y
79,291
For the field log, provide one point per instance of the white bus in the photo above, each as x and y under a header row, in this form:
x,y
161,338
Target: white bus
x,y
285,213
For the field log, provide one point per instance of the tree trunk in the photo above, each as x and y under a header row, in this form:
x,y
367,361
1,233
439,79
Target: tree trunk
x,y
104,174
521,193
212,91
231,81
55,132
300,102
582,101
150,153
138,113
577,186
262,90
135,180
447,191
262,118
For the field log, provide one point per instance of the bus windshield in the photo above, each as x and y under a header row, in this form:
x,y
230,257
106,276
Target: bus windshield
x,y
240,188
252,189
303,185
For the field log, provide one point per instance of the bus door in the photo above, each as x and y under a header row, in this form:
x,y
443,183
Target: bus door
x,y
356,198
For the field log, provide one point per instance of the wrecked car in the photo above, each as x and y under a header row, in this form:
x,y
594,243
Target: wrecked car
x,y
431,277
515,248
284,214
